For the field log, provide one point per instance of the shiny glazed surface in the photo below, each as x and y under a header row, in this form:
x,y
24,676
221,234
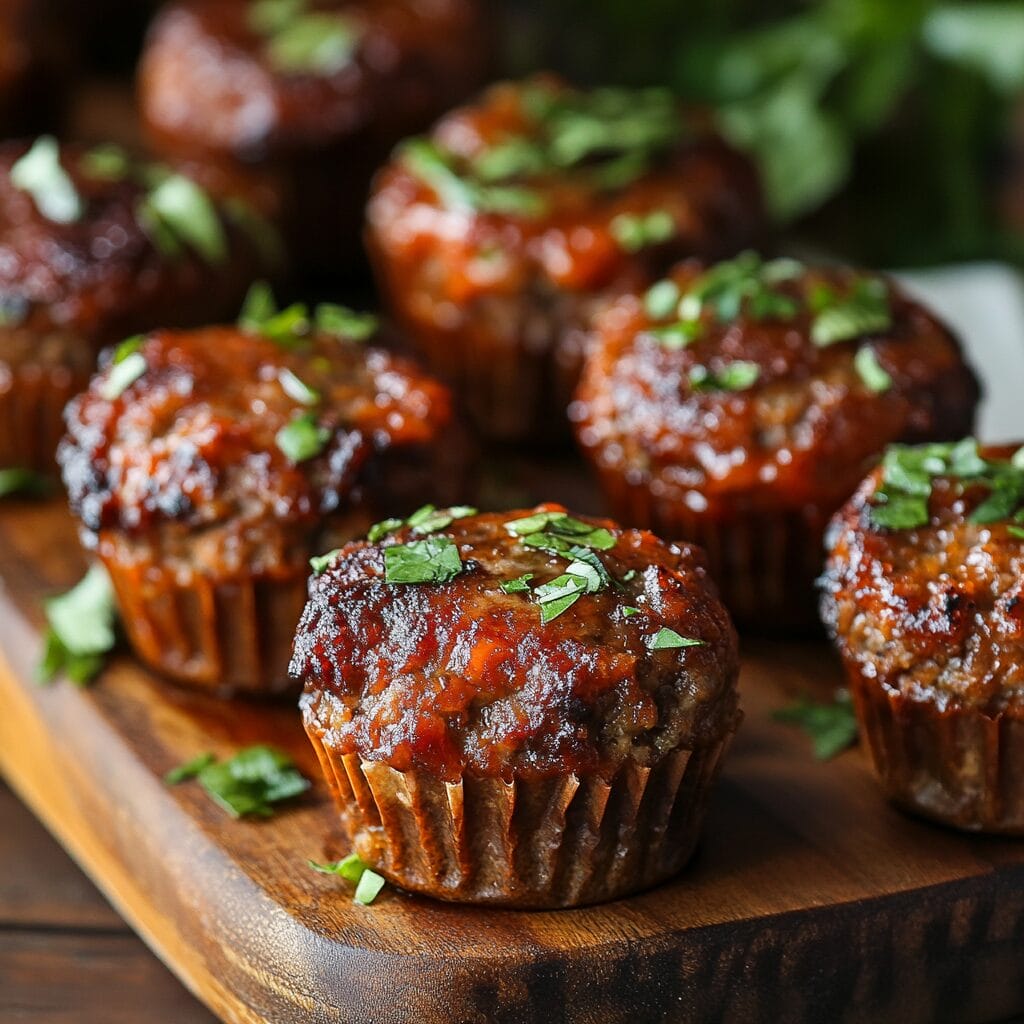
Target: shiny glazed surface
x,y
463,678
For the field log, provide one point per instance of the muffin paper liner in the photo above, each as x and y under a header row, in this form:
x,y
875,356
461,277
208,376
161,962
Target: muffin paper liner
x,y
225,637
32,415
764,563
956,765
555,842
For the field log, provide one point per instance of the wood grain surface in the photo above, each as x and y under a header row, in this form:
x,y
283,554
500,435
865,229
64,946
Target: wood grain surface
x,y
810,898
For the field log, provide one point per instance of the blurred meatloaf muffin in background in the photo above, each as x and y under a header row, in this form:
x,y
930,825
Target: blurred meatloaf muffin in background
x,y
522,708
306,96
739,405
924,596
494,236
208,466
94,247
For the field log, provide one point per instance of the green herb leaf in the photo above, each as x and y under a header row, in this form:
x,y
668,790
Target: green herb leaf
x,y
106,163
319,563
40,174
661,299
302,438
1015,531
635,232
735,376
559,595
831,727
875,377
429,519
296,388
15,480
122,375
864,311
520,585
350,868
80,628
667,639
252,781
383,528
319,43
178,211
343,322
431,560
629,611
189,770
265,17
369,887
532,524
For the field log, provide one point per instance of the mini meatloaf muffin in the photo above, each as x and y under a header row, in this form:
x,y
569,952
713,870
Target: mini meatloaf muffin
x,y
523,708
308,96
93,248
208,466
924,596
495,236
739,406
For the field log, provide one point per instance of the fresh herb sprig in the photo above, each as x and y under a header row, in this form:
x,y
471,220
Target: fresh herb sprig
x,y
909,473
246,785
831,727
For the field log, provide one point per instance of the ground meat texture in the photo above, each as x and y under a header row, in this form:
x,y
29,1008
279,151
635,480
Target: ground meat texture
x,y
493,241
936,612
752,466
462,677
69,289
194,441
224,83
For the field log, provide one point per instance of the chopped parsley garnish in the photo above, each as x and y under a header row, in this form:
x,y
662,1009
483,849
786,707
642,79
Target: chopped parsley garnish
x,y
127,365
177,212
607,137
80,628
562,593
106,163
831,727
629,611
520,585
189,770
319,563
330,318
302,438
296,388
353,869
558,529
293,325
248,783
300,41
383,528
909,472
16,480
429,519
634,232
661,299
738,375
40,174
864,311
431,560
871,372
667,639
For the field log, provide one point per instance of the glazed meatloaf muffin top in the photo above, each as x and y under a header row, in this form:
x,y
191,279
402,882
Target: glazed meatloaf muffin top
x,y
268,422
924,585
97,245
766,384
540,178
269,75
526,643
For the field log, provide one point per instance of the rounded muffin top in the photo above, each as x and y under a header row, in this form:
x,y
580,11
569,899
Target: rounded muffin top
x,y
526,643
248,76
98,244
273,419
768,382
568,183
924,585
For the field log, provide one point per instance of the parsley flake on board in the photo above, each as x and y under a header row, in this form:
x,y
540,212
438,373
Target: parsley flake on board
x,y
668,639
39,174
831,727
431,560
909,472
80,628
248,783
355,870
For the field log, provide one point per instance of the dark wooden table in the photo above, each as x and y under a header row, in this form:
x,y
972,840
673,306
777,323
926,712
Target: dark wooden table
x,y
65,955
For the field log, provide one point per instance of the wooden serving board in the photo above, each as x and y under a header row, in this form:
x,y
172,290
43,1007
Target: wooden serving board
x,y
810,899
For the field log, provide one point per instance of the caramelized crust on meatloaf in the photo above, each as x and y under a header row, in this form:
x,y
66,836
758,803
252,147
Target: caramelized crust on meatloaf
x,y
462,676
195,439
933,612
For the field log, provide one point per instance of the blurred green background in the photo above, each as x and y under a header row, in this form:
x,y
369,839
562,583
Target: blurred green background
x,y
889,130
